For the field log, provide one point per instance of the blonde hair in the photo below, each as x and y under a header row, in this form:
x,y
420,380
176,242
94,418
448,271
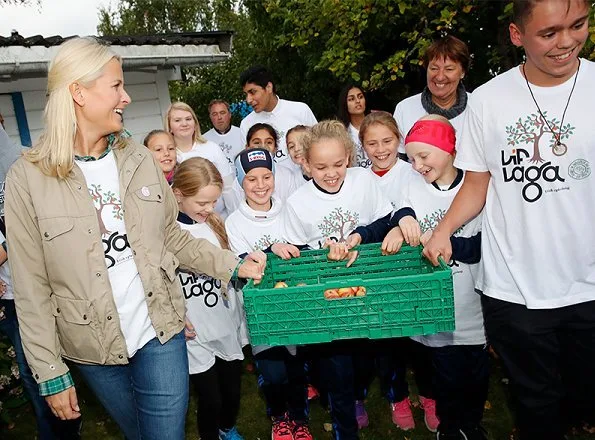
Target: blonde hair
x,y
379,118
178,105
79,60
329,129
191,176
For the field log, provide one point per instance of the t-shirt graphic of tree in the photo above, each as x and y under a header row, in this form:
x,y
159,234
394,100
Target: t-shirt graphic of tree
x,y
531,130
265,242
102,200
338,223
430,221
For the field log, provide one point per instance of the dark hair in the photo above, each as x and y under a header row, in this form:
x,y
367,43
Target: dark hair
x,y
342,112
449,47
263,126
258,75
522,9
154,133
218,101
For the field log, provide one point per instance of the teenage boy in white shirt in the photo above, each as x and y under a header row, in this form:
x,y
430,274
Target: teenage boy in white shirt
x,y
528,147
257,83
227,136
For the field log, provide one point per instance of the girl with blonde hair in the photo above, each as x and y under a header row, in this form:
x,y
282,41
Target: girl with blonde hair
x,y
94,249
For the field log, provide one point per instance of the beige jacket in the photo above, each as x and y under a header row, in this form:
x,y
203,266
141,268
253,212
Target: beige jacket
x,y
62,290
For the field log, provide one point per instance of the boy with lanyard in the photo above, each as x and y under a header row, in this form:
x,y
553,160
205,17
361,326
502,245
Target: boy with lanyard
x,y
527,146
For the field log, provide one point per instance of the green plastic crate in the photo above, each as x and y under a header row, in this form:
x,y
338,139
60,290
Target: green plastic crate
x,y
405,296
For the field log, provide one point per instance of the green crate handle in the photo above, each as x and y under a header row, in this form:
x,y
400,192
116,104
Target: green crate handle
x,y
352,282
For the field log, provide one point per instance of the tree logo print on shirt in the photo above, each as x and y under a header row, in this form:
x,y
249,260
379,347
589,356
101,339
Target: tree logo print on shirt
x,y
430,221
103,200
338,223
226,148
265,242
533,128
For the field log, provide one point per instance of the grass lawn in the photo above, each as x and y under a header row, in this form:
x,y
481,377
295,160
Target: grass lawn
x,y
253,424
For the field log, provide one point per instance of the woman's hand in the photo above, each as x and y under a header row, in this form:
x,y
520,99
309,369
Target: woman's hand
x,y
64,404
285,251
438,246
189,331
251,269
411,230
392,242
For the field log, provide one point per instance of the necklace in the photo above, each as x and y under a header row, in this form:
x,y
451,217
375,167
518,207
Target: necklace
x,y
557,136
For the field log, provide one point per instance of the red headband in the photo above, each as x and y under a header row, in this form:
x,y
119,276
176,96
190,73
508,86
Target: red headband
x,y
436,133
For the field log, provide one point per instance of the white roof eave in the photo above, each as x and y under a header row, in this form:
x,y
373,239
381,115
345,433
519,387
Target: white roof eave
x,y
19,60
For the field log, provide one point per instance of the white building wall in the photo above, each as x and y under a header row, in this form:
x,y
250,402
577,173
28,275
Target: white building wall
x,y
148,90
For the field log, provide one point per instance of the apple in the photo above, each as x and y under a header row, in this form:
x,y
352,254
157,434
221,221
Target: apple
x,y
345,292
331,294
361,291
281,285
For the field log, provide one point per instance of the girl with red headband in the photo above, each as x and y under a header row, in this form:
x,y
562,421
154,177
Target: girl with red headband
x,y
460,358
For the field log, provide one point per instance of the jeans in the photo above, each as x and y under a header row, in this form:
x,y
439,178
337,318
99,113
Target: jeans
x,y
461,379
148,398
549,355
335,361
283,383
218,391
48,426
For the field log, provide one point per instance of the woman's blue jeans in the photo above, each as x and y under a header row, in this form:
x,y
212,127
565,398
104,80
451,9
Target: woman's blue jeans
x,y
147,398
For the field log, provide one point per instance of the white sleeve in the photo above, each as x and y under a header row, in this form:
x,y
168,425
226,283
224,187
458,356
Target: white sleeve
x,y
398,115
293,230
243,131
228,175
471,153
309,118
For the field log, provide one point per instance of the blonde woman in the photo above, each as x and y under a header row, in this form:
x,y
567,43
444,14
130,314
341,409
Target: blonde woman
x,y
182,123
94,249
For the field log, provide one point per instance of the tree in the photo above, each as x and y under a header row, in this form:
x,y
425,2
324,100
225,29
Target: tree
x,y
338,224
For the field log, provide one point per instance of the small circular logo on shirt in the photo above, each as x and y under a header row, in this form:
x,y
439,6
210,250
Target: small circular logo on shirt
x,y
579,169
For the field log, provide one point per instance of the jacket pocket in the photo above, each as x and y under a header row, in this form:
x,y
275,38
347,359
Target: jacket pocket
x,y
150,193
54,227
76,322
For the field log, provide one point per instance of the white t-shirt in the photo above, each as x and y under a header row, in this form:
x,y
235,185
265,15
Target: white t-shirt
x,y
231,143
285,185
285,115
211,151
409,110
361,158
311,215
538,239
104,186
214,311
394,183
430,206
249,230
5,275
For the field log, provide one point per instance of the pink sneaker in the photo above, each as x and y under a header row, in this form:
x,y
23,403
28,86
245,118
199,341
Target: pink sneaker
x,y
282,429
429,407
402,415
361,415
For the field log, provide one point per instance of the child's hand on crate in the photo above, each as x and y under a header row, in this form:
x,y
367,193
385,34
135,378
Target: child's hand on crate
x,y
285,251
425,237
392,242
341,251
410,229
